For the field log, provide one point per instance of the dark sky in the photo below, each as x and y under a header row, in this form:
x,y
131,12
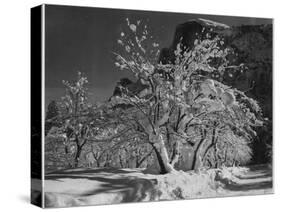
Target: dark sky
x,y
82,38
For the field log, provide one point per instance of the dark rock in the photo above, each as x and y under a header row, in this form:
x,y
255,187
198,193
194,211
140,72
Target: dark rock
x,y
187,32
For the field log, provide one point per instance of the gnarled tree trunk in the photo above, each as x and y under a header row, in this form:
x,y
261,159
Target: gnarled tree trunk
x,y
77,156
158,145
196,154
79,145
197,158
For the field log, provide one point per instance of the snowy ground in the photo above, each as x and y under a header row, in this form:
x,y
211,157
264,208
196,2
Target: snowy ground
x,y
108,186
257,180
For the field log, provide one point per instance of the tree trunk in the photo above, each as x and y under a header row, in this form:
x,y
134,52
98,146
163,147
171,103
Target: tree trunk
x,y
212,144
196,156
176,154
196,153
207,151
97,158
161,152
77,156
106,164
98,163
216,156
140,161
120,161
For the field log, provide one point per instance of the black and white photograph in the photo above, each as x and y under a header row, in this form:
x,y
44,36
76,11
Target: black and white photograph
x,y
145,106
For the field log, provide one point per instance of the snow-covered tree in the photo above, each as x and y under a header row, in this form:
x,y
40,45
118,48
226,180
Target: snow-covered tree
x,y
78,116
180,99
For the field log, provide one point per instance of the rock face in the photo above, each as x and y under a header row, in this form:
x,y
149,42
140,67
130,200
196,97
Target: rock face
x,y
187,32
254,47
129,87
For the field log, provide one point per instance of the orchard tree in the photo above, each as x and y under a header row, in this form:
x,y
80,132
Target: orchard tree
x,y
78,116
91,134
128,140
229,133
